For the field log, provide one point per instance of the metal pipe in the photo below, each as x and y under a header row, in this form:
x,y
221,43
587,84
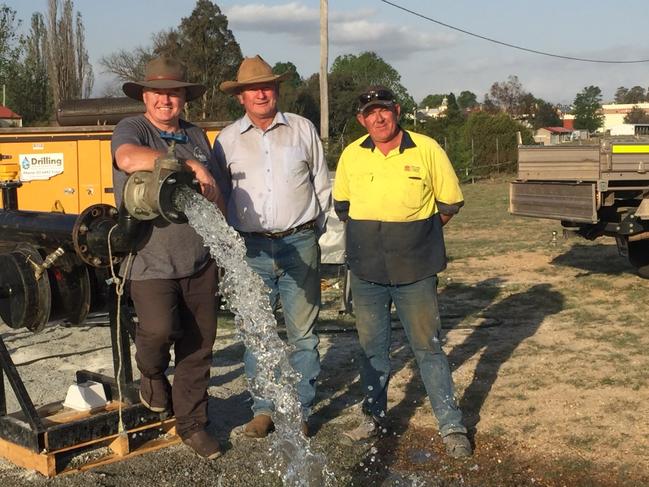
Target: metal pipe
x,y
97,111
46,230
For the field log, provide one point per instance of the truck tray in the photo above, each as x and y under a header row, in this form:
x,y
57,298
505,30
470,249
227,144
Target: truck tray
x,y
575,202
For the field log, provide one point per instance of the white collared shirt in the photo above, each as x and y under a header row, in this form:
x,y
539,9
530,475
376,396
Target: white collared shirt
x,y
279,176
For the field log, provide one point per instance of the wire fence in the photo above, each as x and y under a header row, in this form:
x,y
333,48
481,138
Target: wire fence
x,y
473,158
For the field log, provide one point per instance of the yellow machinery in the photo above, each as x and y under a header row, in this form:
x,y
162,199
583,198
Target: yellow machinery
x,y
65,169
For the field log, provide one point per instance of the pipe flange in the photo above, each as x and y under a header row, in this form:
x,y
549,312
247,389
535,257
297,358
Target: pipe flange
x,y
85,234
168,187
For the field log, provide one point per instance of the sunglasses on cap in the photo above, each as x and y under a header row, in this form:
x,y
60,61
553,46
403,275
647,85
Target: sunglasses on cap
x,y
376,95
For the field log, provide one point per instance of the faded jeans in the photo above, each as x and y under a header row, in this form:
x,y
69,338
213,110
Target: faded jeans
x,y
416,306
289,266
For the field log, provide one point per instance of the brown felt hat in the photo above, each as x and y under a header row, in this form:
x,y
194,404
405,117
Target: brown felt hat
x,y
253,70
164,73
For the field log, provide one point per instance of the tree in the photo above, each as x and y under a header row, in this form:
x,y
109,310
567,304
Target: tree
x,y
70,72
635,95
494,141
453,113
369,69
637,115
294,78
127,65
447,130
205,44
432,101
620,94
546,115
85,77
508,96
8,39
467,100
290,87
343,105
30,90
587,109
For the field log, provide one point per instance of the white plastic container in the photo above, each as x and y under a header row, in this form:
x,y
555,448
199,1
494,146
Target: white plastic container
x,y
85,396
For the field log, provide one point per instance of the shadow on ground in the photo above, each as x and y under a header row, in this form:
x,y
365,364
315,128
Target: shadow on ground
x,y
595,259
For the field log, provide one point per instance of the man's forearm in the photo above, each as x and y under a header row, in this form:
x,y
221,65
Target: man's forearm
x,y
130,158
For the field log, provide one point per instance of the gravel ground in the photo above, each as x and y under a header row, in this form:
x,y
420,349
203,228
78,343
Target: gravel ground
x,y
47,363
411,454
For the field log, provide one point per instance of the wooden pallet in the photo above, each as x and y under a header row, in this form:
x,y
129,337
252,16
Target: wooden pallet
x,y
97,452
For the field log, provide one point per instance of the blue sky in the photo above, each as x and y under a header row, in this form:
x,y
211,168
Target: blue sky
x,y
429,57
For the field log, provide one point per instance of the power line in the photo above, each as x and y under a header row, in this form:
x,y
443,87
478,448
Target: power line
x,y
514,46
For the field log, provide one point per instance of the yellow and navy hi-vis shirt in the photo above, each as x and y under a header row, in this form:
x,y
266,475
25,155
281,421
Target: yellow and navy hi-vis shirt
x,y
392,205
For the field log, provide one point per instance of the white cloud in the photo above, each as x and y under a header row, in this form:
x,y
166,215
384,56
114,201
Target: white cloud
x,y
348,31
290,18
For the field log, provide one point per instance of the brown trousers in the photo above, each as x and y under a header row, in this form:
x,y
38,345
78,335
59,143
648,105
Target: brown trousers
x,y
182,313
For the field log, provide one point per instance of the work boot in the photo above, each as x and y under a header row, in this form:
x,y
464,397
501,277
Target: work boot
x,y
155,394
259,427
204,444
367,429
305,428
457,445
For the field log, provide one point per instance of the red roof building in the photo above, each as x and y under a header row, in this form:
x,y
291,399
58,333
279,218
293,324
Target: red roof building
x,y
9,119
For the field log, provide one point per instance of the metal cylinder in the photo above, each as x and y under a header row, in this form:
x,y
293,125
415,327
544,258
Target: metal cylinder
x,y
45,230
97,111
149,194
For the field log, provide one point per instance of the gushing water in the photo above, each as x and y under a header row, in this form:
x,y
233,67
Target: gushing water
x,y
245,293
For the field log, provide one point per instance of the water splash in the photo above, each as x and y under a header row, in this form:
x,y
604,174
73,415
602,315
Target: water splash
x,y
293,459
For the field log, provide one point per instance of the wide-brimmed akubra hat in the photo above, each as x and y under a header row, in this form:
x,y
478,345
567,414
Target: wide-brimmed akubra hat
x,y
253,70
164,73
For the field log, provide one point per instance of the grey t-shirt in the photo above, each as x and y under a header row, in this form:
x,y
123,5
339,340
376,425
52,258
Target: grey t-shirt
x,y
170,251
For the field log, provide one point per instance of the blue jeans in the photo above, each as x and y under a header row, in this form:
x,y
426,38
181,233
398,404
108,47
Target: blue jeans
x,y
416,306
289,266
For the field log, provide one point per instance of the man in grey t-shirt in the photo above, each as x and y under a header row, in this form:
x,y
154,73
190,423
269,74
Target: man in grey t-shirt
x,y
173,280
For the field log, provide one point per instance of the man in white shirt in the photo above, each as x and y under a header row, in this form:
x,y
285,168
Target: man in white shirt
x,y
280,194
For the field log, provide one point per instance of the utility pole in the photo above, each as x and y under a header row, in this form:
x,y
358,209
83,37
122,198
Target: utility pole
x,y
324,69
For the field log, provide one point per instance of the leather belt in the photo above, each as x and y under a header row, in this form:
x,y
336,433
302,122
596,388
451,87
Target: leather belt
x,y
285,233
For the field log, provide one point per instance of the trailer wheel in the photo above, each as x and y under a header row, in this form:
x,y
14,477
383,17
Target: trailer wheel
x,y
639,256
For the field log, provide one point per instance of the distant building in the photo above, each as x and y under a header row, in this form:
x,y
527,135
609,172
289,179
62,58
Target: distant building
x,y
553,135
568,121
614,113
9,118
430,112
630,129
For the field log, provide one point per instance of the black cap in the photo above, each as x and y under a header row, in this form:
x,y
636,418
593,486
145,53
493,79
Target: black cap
x,y
375,95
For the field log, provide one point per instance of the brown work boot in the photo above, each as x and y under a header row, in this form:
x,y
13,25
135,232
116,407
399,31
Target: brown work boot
x,y
155,394
305,428
457,445
204,444
259,427
367,430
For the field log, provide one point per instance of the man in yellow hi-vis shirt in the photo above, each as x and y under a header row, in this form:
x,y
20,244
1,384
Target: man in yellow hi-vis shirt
x,y
396,190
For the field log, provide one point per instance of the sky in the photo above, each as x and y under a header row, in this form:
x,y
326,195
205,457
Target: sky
x,y
430,58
